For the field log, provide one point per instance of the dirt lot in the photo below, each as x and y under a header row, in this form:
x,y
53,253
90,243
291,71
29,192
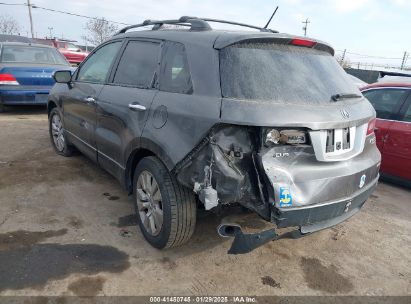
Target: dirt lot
x,y
63,224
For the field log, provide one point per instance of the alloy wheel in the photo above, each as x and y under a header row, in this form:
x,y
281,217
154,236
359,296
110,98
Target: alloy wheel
x,y
149,203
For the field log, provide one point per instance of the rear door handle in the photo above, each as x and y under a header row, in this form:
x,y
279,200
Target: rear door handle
x,y
136,107
89,100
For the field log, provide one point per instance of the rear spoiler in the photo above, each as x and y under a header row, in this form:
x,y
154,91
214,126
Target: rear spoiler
x,y
224,41
383,74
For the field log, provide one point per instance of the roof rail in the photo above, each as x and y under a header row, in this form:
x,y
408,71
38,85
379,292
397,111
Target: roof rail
x,y
196,24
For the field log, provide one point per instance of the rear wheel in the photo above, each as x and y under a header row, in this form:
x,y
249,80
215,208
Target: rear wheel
x,y
2,108
57,134
166,211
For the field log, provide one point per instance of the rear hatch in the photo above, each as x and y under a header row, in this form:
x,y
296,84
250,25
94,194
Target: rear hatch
x,y
297,86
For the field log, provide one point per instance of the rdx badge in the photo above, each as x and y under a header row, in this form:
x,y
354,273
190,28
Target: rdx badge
x,y
281,154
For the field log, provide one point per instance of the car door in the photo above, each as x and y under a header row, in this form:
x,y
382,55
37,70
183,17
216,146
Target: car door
x,y
387,103
397,148
124,103
79,104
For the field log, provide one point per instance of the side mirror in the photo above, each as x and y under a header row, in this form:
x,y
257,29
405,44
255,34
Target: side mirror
x,y
62,76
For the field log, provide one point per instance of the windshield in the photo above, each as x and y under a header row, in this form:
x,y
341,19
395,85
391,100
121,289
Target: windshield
x,y
281,73
32,54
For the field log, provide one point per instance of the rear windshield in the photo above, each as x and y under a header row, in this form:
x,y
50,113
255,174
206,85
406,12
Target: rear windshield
x,y
31,54
281,73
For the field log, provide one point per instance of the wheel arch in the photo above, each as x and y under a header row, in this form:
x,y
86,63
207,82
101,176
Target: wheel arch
x,y
51,104
144,149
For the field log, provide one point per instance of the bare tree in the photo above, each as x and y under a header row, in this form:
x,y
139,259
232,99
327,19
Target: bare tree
x,y
99,30
9,25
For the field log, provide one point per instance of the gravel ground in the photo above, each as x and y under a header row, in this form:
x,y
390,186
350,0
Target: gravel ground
x,y
67,228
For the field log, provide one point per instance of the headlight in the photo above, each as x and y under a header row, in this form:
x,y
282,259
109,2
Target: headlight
x,y
291,137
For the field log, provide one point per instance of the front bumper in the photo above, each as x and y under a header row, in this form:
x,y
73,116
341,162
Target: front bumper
x,y
316,217
24,96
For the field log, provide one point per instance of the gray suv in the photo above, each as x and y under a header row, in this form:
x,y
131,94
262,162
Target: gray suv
x,y
188,117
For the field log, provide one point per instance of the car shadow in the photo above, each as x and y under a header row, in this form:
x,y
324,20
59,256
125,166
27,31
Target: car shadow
x,y
24,110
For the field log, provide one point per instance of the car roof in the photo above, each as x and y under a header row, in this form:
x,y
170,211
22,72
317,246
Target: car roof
x,y
217,39
406,85
26,44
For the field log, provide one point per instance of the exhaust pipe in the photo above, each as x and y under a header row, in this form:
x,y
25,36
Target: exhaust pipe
x,y
228,230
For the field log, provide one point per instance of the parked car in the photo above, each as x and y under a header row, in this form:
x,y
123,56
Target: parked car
x,y
392,102
72,52
266,120
387,76
14,38
26,72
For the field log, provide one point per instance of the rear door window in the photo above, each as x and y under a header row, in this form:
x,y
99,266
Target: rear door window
x,y
407,114
138,65
175,72
386,102
98,65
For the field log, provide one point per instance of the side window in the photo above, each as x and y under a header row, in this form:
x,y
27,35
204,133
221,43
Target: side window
x,y
386,101
407,114
97,67
175,72
138,64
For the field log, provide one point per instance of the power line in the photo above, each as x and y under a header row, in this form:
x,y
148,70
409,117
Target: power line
x,y
371,56
62,12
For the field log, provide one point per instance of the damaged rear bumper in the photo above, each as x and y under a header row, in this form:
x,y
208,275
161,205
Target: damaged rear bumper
x,y
309,219
316,217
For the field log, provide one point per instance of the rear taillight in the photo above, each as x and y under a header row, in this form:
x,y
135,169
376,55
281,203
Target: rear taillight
x,y
371,126
8,79
303,42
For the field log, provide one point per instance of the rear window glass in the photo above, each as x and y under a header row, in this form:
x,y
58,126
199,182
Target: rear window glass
x,y
281,73
32,54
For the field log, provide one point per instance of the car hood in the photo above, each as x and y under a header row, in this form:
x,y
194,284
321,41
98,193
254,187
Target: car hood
x,y
315,117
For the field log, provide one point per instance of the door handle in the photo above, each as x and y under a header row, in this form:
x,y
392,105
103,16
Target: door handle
x,y
89,100
136,107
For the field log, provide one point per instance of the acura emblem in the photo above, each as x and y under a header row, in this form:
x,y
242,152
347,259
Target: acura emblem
x,y
345,113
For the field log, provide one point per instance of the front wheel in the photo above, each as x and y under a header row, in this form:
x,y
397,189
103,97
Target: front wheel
x,y
166,211
57,135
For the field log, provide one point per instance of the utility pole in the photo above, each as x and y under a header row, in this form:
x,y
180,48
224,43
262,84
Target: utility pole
x,y
305,26
404,60
31,18
50,30
343,57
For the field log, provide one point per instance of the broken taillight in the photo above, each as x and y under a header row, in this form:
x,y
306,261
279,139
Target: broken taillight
x,y
8,79
371,126
291,137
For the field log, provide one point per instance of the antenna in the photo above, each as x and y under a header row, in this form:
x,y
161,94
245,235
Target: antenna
x,y
271,18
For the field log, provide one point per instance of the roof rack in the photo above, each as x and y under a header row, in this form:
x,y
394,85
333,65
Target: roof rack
x,y
196,24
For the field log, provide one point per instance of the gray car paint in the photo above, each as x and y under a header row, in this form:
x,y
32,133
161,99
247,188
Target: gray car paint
x,y
179,129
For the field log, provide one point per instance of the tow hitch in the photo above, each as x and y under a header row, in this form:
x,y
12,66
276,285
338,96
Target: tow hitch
x,y
247,242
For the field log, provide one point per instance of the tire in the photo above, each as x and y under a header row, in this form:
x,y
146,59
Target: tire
x,y
177,203
2,108
60,145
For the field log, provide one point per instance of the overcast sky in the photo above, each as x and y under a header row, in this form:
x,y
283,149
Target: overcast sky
x,y
372,27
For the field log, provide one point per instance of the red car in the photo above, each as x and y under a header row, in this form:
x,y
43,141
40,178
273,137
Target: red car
x,y
392,102
72,52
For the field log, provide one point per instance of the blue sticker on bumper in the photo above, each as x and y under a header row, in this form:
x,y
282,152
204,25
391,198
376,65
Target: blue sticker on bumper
x,y
285,197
